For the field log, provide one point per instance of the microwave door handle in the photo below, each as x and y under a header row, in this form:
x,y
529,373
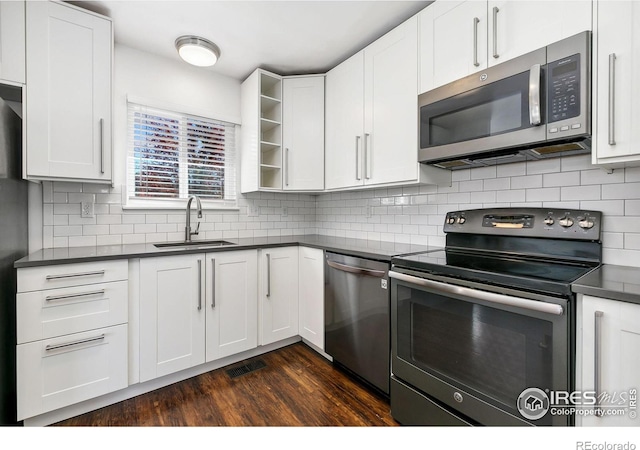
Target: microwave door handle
x,y
534,95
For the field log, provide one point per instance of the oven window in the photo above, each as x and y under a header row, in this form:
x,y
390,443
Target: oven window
x,y
494,352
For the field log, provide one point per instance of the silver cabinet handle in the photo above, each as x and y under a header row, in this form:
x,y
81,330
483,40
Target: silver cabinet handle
x,y
367,157
597,355
51,298
612,99
213,282
533,305
475,41
48,348
72,275
534,95
495,32
268,275
286,167
101,145
358,177
356,270
199,284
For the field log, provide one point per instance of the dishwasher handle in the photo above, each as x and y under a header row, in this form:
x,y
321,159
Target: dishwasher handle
x,y
356,270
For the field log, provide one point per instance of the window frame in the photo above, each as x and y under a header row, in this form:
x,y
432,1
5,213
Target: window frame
x,y
178,203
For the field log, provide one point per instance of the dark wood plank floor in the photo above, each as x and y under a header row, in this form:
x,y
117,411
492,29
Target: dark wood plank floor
x,y
297,387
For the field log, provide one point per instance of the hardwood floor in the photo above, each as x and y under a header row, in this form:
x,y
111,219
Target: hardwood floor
x,y
297,387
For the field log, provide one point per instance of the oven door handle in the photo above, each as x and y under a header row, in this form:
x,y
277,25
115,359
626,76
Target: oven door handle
x,y
534,305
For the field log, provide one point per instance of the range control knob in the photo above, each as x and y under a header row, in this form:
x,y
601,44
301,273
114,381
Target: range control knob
x,y
461,220
451,220
586,223
549,221
566,222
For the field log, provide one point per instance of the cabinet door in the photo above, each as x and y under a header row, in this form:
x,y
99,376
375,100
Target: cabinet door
x,y
453,37
12,41
391,121
172,305
232,303
344,126
303,133
311,295
69,100
278,294
516,28
617,100
61,371
618,359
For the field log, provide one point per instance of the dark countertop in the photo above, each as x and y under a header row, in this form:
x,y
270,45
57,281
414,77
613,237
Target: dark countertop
x,y
379,250
610,281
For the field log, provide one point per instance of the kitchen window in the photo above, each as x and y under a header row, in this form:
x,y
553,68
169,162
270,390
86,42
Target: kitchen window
x,y
173,155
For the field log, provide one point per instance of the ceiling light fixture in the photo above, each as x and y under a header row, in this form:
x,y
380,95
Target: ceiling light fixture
x,y
197,51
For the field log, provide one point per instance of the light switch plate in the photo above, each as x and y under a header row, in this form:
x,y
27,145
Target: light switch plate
x,y
86,209
253,210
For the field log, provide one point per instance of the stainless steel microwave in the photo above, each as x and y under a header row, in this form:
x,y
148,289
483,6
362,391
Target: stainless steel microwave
x,y
531,107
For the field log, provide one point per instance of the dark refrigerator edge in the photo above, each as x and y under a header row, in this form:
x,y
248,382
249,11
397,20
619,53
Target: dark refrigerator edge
x,y
13,243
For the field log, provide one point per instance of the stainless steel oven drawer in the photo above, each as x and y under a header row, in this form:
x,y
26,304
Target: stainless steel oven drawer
x,y
410,407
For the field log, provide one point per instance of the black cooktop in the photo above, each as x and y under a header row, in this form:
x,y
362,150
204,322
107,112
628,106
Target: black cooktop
x,y
512,271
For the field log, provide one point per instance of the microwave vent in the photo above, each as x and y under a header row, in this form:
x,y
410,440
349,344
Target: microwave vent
x,y
552,149
456,164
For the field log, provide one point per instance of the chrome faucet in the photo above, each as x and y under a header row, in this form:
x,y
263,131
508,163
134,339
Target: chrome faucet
x,y
187,230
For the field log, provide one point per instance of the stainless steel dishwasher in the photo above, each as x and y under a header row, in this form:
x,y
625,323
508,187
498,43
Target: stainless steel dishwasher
x,y
357,306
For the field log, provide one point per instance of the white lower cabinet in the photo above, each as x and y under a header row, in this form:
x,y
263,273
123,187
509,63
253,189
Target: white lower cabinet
x,y
608,360
311,295
278,294
196,309
71,327
172,312
232,303
61,371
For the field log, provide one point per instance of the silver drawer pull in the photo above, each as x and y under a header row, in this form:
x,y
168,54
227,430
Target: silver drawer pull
x,y
69,344
72,275
51,298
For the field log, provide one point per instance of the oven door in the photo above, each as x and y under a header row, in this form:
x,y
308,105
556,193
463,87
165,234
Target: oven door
x,y
495,109
475,351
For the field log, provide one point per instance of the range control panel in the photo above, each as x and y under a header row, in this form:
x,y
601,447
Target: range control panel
x,y
527,222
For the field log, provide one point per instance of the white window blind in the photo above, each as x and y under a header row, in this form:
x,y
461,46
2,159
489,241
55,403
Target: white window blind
x,y
174,155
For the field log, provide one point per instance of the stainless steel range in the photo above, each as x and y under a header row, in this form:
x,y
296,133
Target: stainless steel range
x,y
491,315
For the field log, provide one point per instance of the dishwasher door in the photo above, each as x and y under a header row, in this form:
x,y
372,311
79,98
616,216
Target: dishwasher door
x,y
357,317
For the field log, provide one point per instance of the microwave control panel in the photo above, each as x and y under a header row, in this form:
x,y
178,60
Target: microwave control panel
x,y
563,81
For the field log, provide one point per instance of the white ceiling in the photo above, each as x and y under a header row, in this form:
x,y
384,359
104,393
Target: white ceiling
x,y
287,37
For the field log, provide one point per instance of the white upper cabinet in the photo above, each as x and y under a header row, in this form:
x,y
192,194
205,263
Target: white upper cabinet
x,y
372,125
616,71
303,133
68,122
453,41
345,123
12,41
461,38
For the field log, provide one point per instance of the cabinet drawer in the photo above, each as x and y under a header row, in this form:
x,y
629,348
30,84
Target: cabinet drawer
x,y
65,275
56,312
59,372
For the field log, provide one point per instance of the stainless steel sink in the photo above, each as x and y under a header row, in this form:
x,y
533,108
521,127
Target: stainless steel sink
x,y
192,244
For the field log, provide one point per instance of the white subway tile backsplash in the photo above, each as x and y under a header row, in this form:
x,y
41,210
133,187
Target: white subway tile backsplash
x,y
401,214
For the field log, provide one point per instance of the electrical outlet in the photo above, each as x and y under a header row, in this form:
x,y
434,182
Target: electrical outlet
x,y
253,210
86,209
285,211
368,211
